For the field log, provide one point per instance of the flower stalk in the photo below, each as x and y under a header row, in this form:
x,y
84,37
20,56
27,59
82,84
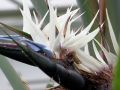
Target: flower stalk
x,y
102,17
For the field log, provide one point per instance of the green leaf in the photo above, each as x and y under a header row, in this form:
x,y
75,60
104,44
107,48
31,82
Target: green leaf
x,y
113,7
41,8
90,7
19,32
116,82
11,74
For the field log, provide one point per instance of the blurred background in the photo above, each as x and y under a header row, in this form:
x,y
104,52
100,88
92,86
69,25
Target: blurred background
x,y
10,15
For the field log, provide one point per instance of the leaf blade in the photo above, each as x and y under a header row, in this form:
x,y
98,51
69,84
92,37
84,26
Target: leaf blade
x,y
19,32
11,75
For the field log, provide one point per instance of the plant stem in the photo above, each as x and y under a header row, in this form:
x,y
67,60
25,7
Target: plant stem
x,y
102,16
102,7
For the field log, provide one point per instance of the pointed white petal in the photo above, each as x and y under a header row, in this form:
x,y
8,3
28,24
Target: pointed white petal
x,y
112,35
69,10
87,58
61,21
69,25
41,22
68,30
26,9
113,58
97,53
37,35
74,12
79,42
68,37
82,33
46,30
79,29
87,29
25,24
106,53
52,32
89,61
35,17
82,67
74,19
87,49
57,44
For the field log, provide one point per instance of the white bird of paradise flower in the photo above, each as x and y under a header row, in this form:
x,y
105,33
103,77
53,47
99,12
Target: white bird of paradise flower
x,y
70,40
66,38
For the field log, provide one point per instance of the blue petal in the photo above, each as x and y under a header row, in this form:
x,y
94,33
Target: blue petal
x,y
38,48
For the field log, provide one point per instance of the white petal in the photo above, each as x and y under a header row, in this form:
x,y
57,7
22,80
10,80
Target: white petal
x,y
41,22
82,33
68,30
113,58
74,19
97,54
79,42
89,61
46,30
74,12
69,9
79,29
52,23
106,53
35,17
87,49
87,29
83,67
68,37
69,25
26,9
61,21
112,35
31,28
57,44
